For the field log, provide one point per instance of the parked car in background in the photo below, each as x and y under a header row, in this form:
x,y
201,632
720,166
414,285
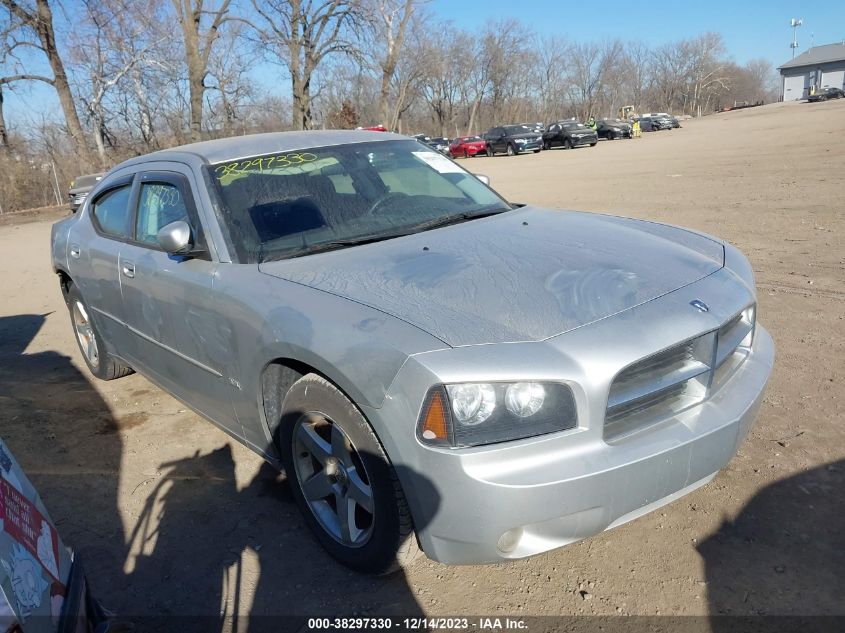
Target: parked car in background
x,y
569,134
467,146
655,123
439,143
673,121
512,140
431,365
79,188
826,93
612,129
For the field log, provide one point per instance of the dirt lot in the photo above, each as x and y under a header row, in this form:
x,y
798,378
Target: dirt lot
x,y
172,517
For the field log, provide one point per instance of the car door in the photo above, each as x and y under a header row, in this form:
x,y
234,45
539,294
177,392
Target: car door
x,y
94,244
182,342
500,142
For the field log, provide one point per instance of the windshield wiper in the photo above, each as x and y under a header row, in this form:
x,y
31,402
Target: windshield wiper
x,y
333,245
380,237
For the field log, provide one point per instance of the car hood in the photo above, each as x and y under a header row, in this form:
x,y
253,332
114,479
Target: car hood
x,y
525,275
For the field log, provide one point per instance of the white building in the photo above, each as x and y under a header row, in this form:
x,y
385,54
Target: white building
x,y
821,66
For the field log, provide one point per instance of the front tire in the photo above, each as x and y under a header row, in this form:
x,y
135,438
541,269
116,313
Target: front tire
x,y
91,345
342,480
489,151
567,144
511,150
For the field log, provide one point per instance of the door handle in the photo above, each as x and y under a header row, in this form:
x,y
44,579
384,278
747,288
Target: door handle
x,y
75,252
128,269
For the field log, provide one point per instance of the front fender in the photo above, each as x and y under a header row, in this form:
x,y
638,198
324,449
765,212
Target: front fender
x,y
358,348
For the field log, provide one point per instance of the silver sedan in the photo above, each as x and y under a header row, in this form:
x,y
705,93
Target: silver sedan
x,y
432,367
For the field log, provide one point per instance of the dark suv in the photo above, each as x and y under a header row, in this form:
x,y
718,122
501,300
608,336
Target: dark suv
x,y
79,188
512,140
569,134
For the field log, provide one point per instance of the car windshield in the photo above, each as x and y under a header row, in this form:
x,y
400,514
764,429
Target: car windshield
x,y
517,129
294,203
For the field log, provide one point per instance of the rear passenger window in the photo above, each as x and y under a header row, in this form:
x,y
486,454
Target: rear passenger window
x,y
160,205
112,215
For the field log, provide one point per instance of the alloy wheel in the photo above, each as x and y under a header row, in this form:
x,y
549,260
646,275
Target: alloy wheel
x,y
85,334
333,480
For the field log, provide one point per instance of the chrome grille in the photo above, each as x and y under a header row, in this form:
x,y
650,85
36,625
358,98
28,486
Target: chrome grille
x,y
664,384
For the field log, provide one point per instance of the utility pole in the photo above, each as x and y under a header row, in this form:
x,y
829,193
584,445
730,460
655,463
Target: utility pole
x,y
795,24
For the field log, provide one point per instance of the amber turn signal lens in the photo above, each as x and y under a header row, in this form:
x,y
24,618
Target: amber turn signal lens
x,y
434,423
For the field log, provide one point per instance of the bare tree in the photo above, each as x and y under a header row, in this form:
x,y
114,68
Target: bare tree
x,y
391,23
232,86
38,19
590,65
302,34
707,69
200,28
551,74
104,49
636,77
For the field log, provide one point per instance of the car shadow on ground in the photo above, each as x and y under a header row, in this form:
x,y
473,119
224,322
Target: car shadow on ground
x,y
784,554
239,558
50,416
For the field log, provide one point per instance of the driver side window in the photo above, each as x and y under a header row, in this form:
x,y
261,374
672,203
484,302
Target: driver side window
x,y
159,205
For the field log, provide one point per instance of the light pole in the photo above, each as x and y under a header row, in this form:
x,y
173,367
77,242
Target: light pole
x,y
795,24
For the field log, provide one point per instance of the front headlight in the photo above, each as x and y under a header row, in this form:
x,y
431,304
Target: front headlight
x,y
474,414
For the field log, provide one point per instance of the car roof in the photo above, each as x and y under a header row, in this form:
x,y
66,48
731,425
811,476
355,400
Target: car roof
x,y
235,147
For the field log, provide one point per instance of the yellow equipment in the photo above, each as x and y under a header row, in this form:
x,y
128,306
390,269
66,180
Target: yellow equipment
x,y
627,113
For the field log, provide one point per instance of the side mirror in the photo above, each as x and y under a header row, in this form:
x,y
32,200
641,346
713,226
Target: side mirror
x,y
175,238
483,178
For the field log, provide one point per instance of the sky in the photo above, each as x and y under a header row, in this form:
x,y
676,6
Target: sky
x,y
751,29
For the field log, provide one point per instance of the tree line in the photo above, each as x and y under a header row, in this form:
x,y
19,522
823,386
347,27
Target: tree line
x,y
132,77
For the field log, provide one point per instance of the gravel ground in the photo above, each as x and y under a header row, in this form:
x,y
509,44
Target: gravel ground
x,y
172,517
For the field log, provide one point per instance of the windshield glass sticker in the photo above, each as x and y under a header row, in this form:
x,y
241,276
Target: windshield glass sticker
x,y
438,162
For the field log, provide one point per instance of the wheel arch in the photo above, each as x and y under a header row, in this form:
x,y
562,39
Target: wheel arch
x,y
276,380
65,281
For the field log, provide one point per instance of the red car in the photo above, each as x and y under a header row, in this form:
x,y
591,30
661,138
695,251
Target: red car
x,y
467,146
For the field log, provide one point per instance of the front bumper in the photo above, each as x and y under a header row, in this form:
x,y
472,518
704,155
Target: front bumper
x,y
469,149
551,491
590,139
530,146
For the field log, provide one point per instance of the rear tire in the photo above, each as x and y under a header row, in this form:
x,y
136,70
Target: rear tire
x,y
354,504
489,151
91,344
